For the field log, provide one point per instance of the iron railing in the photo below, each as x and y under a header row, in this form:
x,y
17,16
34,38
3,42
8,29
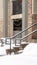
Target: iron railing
x,y
24,36
22,31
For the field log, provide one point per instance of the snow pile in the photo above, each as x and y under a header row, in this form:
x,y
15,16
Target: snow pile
x,y
31,49
25,58
2,51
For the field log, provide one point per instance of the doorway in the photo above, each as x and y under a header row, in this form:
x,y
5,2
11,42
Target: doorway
x,y
17,27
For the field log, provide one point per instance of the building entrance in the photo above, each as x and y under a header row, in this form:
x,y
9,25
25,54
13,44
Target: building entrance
x,y
17,27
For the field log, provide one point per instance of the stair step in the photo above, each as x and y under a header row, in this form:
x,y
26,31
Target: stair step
x,y
15,49
8,51
23,45
24,42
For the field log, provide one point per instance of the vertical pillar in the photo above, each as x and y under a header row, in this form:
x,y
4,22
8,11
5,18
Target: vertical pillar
x,y
5,17
24,16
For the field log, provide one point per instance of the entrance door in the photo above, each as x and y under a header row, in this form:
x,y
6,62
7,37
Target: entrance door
x,y
17,27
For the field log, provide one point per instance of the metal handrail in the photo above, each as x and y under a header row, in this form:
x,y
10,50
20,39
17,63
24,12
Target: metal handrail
x,y
24,30
27,35
24,36
19,32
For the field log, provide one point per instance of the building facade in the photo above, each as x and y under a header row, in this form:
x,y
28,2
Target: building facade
x,y
12,15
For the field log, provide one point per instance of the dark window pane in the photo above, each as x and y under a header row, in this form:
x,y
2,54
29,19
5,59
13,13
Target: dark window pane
x,y
17,7
17,25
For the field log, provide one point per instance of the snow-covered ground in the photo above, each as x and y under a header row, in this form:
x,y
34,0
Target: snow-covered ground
x,y
28,57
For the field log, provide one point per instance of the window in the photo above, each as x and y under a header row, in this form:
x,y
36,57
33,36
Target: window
x,y
17,25
17,7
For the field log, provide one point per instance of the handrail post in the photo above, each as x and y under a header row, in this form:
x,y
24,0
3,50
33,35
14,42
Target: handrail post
x,y
20,41
15,42
5,40
10,46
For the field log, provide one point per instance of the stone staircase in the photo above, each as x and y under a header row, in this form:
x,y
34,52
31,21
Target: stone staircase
x,y
17,49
